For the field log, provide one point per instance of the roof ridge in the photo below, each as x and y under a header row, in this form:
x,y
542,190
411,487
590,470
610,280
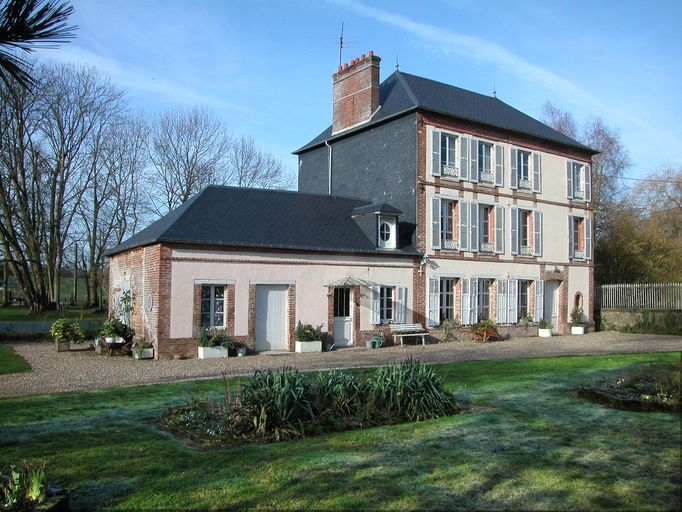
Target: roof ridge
x,y
407,87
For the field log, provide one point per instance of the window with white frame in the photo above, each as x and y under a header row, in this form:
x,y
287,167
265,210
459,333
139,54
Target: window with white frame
x,y
387,232
524,310
487,232
484,302
526,170
518,299
388,304
579,237
212,306
446,298
449,229
448,155
485,171
526,232
578,181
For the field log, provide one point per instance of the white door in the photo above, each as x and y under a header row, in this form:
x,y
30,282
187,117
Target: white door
x,y
551,311
271,317
343,319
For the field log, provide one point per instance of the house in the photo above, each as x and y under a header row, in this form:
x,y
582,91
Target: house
x,y
422,202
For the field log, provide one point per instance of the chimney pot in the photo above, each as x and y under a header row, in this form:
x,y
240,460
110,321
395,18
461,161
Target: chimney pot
x,y
345,66
340,68
371,53
363,56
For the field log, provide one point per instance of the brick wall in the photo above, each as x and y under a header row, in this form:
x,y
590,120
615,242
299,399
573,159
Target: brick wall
x,y
356,92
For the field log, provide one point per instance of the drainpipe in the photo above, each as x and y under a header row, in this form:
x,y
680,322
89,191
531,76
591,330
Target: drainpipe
x,y
329,166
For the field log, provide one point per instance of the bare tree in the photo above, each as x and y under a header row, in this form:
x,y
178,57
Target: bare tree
x,y
561,120
250,166
187,149
24,24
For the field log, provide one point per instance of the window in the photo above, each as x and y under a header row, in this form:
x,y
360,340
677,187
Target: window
x,y
526,170
447,299
212,306
487,224
484,286
341,302
448,155
448,223
387,232
523,163
518,299
579,238
485,174
526,232
524,301
578,181
386,304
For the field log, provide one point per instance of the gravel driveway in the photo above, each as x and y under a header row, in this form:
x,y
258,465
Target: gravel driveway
x,y
78,370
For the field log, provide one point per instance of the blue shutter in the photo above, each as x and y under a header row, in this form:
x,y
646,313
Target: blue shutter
x,y
514,249
502,286
465,302
434,302
473,303
514,176
499,165
473,161
537,233
435,153
570,237
539,299
588,238
464,158
464,227
400,305
569,180
588,182
376,319
473,219
499,229
537,172
513,301
435,223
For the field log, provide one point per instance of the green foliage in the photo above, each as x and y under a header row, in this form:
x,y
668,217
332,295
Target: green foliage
x,y
544,324
483,324
67,329
215,337
307,332
114,327
141,345
25,488
668,322
577,316
449,327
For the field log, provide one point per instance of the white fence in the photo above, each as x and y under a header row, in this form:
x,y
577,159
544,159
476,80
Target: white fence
x,y
640,296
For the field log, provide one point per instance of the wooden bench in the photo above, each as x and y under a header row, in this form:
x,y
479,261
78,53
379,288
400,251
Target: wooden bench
x,y
400,331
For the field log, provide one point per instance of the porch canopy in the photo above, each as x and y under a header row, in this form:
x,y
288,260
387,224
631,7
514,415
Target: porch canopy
x,y
350,281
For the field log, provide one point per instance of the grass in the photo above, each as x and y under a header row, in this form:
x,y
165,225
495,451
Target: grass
x,y
533,445
10,362
21,314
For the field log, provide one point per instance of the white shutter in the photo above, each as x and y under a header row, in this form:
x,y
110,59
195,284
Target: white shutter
x,y
537,172
539,299
514,249
473,219
435,223
499,229
473,302
473,161
434,301
464,302
464,227
499,165
570,237
537,233
502,286
514,176
588,238
513,301
569,180
376,319
464,158
588,182
400,304
435,153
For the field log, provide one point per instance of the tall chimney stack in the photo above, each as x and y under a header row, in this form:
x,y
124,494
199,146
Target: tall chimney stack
x,y
356,92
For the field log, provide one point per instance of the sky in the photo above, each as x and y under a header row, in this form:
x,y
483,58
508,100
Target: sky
x,y
265,67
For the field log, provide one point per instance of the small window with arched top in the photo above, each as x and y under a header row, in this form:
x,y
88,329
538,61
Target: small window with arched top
x,y
578,303
387,232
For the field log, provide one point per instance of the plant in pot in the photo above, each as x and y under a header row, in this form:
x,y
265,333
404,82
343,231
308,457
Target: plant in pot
x,y
66,331
308,338
214,343
142,349
544,329
240,349
577,325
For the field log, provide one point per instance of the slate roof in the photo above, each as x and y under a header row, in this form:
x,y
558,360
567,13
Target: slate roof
x,y
257,218
401,93
376,208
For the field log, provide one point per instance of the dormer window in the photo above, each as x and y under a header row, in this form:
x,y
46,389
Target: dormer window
x,y
387,232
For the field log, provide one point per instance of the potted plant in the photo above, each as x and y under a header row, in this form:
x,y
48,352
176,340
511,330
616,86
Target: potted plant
x,y
544,329
214,343
308,338
66,331
240,349
143,349
577,325
113,329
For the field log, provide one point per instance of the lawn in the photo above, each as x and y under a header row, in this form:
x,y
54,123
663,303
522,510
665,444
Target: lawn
x,y
10,362
21,314
528,444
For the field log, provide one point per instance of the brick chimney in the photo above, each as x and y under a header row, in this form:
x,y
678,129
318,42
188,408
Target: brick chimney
x,y
356,92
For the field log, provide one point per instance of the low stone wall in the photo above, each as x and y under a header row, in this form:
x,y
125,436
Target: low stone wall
x,y
464,334
620,318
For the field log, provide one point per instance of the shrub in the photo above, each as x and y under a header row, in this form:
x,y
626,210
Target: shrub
x,y
114,327
215,337
577,316
544,324
25,488
67,329
306,332
141,345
